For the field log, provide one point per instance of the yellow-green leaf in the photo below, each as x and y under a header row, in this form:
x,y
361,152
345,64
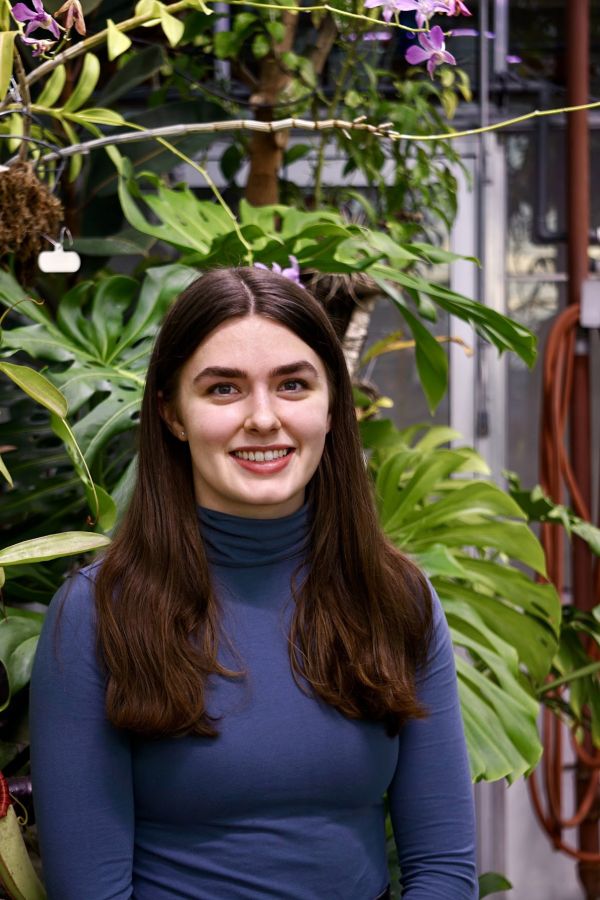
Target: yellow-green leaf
x,y
52,546
171,26
37,387
1,577
97,116
7,43
147,8
4,15
116,42
77,160
15,126
53,87
200,6
4,471
88,80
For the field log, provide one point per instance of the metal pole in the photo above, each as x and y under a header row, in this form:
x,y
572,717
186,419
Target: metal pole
x,y
578,220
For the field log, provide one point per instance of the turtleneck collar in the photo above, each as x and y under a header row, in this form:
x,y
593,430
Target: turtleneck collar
x,y
238,542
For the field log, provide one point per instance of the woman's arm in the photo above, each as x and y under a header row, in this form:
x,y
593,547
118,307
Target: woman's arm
x,y
431,796
81,765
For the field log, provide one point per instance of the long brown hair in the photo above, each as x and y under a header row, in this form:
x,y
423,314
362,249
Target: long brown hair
x,y
362,615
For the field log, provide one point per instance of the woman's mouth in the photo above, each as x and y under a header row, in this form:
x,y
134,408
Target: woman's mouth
x,y
260,455
263,461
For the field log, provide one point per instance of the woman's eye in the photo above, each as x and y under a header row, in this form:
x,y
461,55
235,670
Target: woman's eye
x,y
295,384
222,390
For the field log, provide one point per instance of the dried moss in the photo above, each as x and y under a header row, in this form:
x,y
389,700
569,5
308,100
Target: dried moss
x,y
28,211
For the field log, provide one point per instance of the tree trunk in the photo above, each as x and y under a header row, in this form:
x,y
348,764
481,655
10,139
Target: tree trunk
x,y
266,150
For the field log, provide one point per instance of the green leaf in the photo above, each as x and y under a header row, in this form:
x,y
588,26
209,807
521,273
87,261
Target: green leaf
x,y
427,473
435,254
147,8
439,560
225,44
5,473
201,6
171,26
514,539
231,161
126,243
471,499
161,286
86,84
37,387
431,359
39,341
583,672
5,21
504,333
260,46
20,663
53,87
139,68
109,418
541,600
61,429
588,533
53,546
7,43
17,633
437,435
353,99
491,753
276,30
97,117
491,883
116,42
71,320
112,299
77,160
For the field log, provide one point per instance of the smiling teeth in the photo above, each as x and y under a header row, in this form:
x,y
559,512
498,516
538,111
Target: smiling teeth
x,y
259,456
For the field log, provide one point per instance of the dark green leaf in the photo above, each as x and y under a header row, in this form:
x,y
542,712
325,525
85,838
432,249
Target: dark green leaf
x,y
491,883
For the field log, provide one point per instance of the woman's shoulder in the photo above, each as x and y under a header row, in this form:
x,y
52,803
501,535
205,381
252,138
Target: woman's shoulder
x,y
73,605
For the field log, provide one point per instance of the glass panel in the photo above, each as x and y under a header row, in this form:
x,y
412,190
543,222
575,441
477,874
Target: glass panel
x,y
534,305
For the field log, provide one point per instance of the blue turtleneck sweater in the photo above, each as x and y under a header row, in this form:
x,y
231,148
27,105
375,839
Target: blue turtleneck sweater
x,y
286,803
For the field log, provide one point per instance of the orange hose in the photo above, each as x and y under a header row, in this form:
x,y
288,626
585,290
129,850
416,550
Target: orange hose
x,y
556,475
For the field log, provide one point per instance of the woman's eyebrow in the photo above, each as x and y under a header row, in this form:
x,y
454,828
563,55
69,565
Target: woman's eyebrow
x,y
301,365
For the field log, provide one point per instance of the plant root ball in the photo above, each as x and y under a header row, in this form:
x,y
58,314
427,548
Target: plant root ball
x,y
28,211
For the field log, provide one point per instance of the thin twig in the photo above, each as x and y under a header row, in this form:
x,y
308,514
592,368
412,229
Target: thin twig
x,y
25,100
381,131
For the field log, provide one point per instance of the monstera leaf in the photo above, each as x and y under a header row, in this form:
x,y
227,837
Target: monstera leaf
x,y
96,353
465,532
207,233
101,341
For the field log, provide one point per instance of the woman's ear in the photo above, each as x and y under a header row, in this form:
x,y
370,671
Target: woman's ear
x,y
168,414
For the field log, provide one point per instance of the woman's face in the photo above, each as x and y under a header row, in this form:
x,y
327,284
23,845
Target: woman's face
x,y
253,404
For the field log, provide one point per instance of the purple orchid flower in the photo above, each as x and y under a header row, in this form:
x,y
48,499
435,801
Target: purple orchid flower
x,y
391,7
460,9
293,272
74,17
432,49
35,19
424,9
39,47
428,8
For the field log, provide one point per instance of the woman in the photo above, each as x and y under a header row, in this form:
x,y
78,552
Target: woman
x,y
224,699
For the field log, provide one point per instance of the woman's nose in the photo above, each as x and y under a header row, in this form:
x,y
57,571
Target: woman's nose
x,y
261,414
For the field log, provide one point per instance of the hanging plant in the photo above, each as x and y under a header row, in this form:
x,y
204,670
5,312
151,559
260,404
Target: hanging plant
x,y
28,212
